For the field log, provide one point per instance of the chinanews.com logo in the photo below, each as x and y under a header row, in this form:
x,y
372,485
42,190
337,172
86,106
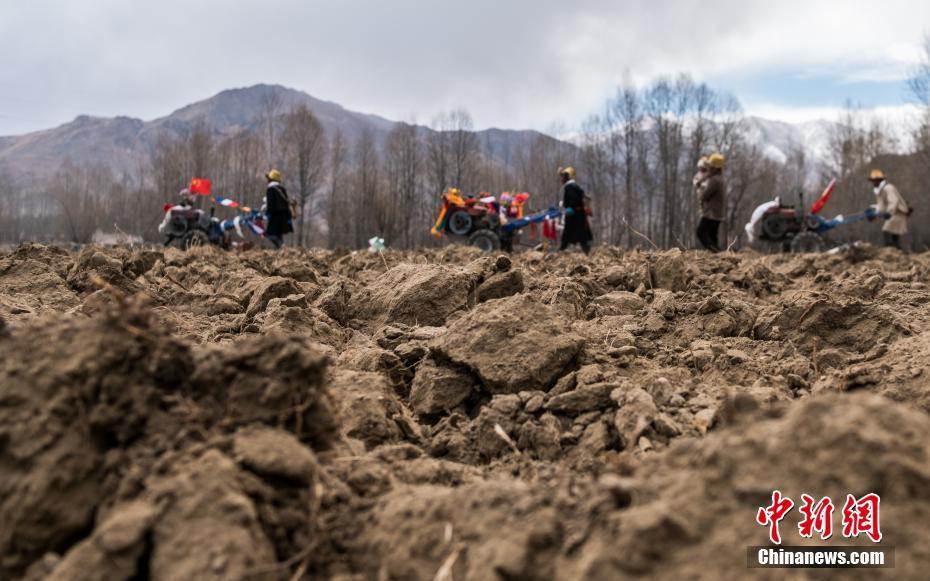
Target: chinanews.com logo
x,y
860,518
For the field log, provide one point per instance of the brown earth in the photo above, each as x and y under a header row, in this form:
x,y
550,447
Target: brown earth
x,y
451,415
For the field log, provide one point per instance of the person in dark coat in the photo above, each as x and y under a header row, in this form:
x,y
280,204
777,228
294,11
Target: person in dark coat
x,y
713,203
577,230
278,208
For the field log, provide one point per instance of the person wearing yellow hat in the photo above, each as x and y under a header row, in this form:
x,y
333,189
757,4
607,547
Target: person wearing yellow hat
x,y
577,229
278,208
712,195
891,205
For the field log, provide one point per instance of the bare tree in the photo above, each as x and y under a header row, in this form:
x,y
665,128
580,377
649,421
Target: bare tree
x,y
403,162
200,150
272,103
439,149
337,215
846,144
465,148
666,103
306,150
76,191
919,81
371,212
453,151
627,111
240,154
919,84
168,161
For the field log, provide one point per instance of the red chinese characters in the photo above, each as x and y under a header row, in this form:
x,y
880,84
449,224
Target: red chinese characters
x,y
817,518
773,514
862,516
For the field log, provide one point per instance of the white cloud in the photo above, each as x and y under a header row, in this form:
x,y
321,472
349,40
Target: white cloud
x,y
515,63
903,115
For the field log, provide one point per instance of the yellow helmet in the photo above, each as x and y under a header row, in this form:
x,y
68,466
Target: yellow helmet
x,y
273,175
567,171
876,174
716,161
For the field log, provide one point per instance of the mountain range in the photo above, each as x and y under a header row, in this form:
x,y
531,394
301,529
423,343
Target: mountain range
x,y
122,143
779,139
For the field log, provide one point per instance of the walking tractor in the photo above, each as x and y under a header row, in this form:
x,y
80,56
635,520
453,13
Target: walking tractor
x,y
490,223
802,232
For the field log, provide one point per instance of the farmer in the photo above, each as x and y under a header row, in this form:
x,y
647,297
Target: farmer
x,y
892,206
577,230
713,201
278,209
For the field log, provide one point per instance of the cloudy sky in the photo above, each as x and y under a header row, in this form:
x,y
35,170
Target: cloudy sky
x,y
512,63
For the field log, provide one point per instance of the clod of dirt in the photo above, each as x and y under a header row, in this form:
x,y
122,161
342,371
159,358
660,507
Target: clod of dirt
x,y
637,413
414,294
617,303
816,320
582,399
272,379
569,296
63,403
93,264
142,261
291,315
438,389
33,281
513,344
335,301
626,278
210,528
669,270
500,285
368,408
274,287
274,453
114,550
364,355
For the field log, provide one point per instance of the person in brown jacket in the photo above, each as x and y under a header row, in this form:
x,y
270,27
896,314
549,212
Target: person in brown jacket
x,y
713,202
892,206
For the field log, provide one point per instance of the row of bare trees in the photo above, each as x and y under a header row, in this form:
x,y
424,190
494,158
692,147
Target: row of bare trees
x,y
639,155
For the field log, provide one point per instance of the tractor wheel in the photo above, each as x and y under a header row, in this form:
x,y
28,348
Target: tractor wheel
x,y
807,242
774,227
195,238
460,223
486,240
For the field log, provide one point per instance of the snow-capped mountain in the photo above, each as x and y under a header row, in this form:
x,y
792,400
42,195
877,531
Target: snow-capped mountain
x,y
779,139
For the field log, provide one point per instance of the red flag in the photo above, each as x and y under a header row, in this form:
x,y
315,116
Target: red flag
x,y
200,186
824,198
549,232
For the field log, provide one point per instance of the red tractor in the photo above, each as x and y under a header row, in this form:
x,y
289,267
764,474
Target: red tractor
x,y
479,218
